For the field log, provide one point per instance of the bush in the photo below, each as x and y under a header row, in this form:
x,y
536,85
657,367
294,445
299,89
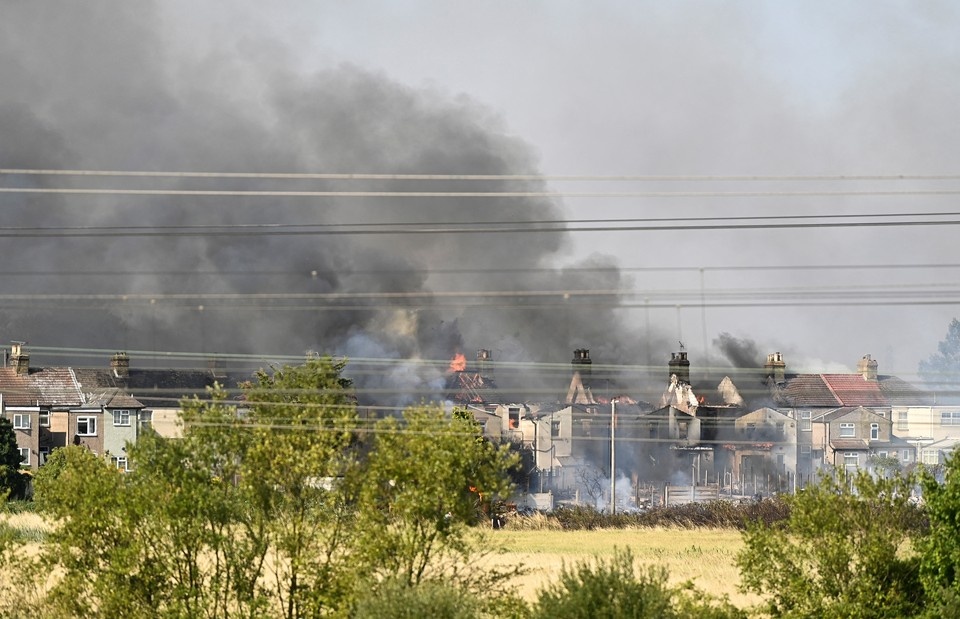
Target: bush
x,y
395,599
614,589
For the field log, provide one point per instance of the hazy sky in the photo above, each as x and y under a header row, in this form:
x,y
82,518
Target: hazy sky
x,y
565,88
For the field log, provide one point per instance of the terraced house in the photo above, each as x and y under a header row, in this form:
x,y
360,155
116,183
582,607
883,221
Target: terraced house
x,y
53,407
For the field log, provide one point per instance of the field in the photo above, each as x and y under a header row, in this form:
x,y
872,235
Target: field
x,y
704,556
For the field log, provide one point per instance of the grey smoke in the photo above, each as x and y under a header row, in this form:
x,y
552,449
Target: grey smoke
x,y
97,87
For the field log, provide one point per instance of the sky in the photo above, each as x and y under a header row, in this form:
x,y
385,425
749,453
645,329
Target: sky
x,y
791,90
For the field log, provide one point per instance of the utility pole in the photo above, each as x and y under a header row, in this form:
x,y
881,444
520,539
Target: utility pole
x,y
613,456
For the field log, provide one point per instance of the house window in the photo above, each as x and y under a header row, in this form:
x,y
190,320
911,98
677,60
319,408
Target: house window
x,y
146,419
902,420
930,456
874,431
24,456
881,454
514,415
21,421
906,455
950,418
121,418
806,422
44,454
86,426
851,460
805,450
44,419
781,429
555,428
848,430
120,463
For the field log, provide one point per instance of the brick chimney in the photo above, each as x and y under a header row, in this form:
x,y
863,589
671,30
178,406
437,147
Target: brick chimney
x,y
19,358
581,363
680,366
776,368
120,364
484,362
867,368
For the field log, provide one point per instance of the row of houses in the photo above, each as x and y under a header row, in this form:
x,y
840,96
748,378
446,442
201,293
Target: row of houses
x,y
763,421
103,409
786,427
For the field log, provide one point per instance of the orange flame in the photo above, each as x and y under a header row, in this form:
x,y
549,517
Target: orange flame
x,y
458,363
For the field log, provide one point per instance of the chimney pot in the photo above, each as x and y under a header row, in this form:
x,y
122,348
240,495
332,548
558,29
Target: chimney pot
x,y
776,368
680,366
120,364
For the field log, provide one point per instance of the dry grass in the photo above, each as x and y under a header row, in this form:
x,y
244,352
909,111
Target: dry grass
x,y
704,556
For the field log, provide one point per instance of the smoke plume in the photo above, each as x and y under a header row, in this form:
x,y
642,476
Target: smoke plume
x,y
83,96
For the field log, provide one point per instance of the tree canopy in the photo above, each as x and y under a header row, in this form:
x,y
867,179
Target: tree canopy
x,y
942,369
280,503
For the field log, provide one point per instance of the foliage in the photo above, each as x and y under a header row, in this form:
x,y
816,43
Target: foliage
x,y
841,553
12,482
427,480
942,369
615,589
719,514
266,507
940,549
396,599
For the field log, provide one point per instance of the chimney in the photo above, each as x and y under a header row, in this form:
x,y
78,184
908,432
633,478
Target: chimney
x,y
680,366
215,366
776,368
581,363
867,368
19,358
120,364
484,362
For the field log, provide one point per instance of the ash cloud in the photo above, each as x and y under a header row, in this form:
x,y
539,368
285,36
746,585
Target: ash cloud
x,y
96,87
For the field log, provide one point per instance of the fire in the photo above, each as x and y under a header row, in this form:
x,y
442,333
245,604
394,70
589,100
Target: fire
x,y
458,363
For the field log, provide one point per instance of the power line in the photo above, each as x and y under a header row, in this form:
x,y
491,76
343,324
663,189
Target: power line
x,y
470,194
482,177
273,229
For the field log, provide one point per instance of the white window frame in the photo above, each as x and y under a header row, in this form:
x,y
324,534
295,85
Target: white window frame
x,y
906,455
903,420
121,463
24,456
88,419
118,416
950,418
874,431
806,421
851,455
145,419
44,419
21,421
42,456
848,430
806,450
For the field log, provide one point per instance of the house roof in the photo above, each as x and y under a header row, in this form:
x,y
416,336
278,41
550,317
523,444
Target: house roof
x,y
471,388
158,388
847,390
849,444
48,387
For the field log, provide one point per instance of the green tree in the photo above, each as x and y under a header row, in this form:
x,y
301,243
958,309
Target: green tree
x,y
426,481
940,548
942,369
840,554
12,481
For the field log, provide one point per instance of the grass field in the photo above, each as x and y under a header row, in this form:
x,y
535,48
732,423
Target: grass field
x,y
704,556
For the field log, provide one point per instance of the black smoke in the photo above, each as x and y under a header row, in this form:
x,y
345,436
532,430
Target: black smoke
x,y
97,87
